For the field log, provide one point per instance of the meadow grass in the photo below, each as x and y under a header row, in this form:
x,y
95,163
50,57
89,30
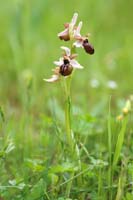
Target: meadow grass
x,y
35,160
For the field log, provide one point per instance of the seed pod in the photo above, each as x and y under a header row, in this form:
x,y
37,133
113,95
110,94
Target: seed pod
x,y
65,69
88,47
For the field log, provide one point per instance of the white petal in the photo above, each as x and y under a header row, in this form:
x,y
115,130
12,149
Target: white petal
x,y
78,44
74,19
52,79
59,63
67,50
75,64
77,31
65,32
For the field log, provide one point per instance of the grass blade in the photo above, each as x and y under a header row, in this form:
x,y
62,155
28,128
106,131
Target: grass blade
x,y
119,142
110,153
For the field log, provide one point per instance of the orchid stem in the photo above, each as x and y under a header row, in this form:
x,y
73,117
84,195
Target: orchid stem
x,y
67,85
68,112
73,148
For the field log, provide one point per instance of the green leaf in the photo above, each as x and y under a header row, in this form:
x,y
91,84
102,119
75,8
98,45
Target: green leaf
x,y
65,167
35,165
53,178
119,143
2,117
9,147
37,190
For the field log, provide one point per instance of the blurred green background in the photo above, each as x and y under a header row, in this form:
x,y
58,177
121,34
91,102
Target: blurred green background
x,y
28,41
31,110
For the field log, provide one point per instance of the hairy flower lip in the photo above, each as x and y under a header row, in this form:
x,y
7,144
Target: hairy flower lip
x,y
88,47
65,69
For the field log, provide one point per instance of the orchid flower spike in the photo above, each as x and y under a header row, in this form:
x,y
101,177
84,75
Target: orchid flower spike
x,y
65,65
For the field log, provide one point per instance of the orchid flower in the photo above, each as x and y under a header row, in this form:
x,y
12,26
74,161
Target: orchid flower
x,y
82,41
73,32
65,65
67,34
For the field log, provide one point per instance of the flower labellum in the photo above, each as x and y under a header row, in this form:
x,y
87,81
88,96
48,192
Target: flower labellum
x,y
88,47
66,68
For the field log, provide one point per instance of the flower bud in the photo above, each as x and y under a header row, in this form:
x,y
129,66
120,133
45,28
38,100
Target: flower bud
x,y
125,111
127,107
119,118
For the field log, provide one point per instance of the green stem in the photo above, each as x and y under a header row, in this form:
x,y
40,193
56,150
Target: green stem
x,y
70,138
67,84
110,175
68,112
68,107
69,185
